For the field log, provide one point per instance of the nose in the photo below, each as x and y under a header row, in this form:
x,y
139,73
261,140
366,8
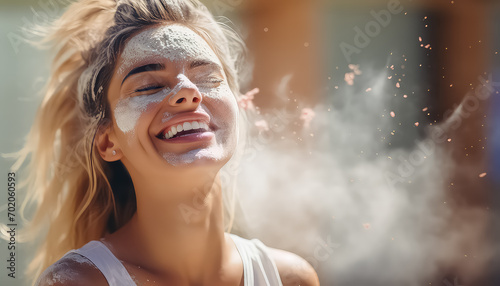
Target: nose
x,y
185,94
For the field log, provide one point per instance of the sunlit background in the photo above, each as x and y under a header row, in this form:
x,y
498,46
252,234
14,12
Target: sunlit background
x,y
375,146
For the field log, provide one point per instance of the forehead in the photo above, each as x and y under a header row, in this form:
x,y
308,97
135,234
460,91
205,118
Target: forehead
x,y
172,42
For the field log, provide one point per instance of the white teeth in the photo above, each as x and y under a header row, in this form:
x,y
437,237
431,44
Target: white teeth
x,y
184,127
187,126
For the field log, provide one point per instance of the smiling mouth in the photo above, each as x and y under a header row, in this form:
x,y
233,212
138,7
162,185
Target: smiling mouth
x,y
183,129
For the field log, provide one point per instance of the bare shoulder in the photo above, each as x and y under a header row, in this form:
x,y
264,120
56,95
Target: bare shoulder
x,y
73,269
293,269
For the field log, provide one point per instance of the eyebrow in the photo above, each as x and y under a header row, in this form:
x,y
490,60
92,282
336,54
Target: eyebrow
x,y
199,63
159,67
144,68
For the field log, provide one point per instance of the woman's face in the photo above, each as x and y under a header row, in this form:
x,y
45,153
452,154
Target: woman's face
x,y
171,103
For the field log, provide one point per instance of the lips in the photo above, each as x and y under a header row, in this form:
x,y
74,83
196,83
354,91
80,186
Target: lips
x,y
184,125
185,128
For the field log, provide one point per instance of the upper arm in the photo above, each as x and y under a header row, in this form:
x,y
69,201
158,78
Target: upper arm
x,y
72,270
293,269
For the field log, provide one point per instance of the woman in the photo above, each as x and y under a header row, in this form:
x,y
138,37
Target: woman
x,y
139,117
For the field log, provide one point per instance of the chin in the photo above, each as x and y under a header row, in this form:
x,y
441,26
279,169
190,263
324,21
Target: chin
x,y
214,156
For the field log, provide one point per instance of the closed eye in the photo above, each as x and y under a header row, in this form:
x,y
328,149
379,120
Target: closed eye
x,y
212,80
147,88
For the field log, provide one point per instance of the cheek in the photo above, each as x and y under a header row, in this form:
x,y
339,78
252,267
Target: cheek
x,y
225,116
126,116
233,110
228,119
128,111
225,103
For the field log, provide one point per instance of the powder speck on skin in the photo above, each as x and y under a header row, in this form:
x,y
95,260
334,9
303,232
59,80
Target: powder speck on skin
x,y
64,270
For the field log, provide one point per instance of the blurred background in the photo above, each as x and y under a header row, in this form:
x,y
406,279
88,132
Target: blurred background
x,y
374,147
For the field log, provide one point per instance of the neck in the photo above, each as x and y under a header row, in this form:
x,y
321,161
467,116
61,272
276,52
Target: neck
x,y
179,226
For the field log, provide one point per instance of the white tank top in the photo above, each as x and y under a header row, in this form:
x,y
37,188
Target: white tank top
x,y
258,267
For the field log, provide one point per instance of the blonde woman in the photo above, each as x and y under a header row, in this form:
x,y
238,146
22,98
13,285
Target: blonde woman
x,y
139,116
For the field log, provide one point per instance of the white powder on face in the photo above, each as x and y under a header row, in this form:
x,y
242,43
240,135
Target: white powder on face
x,y
129,110
225,136
179,45
184,82
174,42
217,93
214,152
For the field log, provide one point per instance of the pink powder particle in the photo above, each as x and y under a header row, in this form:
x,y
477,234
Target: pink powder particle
x,y
389,77
246,100
392,67
307,116
449,139
420,39
349,78
262,125
367,226
482,175
428,46
393,114
398,85
355,69
417,124
425,109
405,96
369,89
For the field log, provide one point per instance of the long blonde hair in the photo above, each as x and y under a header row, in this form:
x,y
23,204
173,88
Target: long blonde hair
x,y
73,190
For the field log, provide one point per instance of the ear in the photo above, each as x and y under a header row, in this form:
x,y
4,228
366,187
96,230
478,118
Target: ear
x,y
107,145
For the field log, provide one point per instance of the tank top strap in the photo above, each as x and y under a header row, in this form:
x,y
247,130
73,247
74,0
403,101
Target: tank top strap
x,y
113,270
258,267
